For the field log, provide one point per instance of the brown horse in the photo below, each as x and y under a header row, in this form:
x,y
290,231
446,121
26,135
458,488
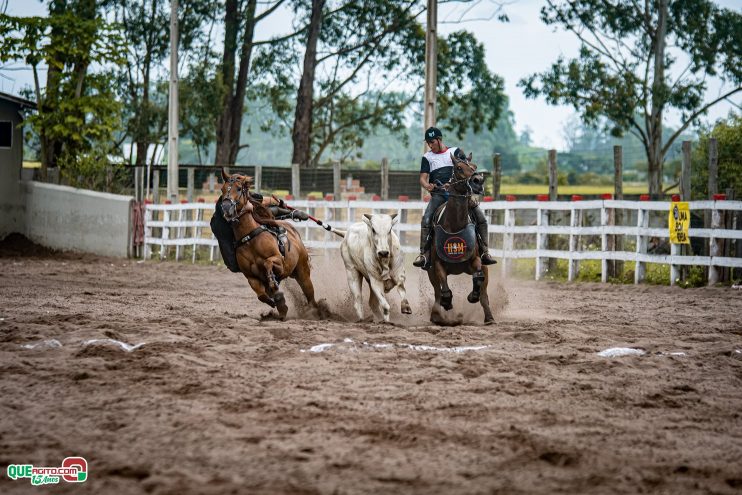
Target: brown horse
x,y
455,249
268,251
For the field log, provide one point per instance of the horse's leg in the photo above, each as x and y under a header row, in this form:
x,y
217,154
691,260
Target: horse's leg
x,y
272,265
484,299
477,278
446,294
259,288
436,316
377,288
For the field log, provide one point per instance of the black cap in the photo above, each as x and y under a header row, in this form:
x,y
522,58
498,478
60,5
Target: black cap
x,y
433,133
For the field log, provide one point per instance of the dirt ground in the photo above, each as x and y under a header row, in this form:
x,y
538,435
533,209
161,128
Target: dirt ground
x,y
221,400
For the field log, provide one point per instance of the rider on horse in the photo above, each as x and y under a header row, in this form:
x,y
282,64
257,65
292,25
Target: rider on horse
x,y
224,233
436,171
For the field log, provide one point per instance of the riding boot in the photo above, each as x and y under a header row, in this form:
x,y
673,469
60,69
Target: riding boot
x,y
423,259
225,236
482,236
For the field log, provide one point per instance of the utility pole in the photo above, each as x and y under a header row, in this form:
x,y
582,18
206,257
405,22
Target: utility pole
x,y
431,61
172,133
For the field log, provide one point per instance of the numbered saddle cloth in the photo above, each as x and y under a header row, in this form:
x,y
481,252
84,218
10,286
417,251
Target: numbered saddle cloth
x,y
455,247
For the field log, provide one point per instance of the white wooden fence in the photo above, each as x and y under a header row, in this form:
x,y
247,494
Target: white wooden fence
x,y
182,225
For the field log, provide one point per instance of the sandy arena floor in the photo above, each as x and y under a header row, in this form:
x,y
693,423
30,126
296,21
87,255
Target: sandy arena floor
x,y
219,400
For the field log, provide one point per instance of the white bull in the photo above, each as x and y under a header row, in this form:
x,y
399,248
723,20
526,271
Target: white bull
x,y
371,251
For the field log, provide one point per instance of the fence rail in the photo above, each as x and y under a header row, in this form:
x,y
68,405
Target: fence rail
x,y
186,225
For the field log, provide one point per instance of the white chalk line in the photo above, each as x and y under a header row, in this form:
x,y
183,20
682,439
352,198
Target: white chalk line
x,y
54,343
413,347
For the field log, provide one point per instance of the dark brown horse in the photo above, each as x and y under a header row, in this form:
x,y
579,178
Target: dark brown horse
x,y
268,250
455,248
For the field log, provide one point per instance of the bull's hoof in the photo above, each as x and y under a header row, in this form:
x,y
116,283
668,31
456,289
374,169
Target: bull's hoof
x,y
447,300
489,322
406,309
473,297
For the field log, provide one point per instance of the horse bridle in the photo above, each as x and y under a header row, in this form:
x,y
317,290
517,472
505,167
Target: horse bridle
x,y
467,180
227,197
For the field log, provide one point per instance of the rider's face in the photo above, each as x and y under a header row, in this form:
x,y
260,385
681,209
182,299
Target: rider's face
x,y
435,145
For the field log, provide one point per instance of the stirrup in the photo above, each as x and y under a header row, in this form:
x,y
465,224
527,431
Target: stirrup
x,y
421,261
487,259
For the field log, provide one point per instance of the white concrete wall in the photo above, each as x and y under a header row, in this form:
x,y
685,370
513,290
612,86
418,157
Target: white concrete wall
x,y
62,217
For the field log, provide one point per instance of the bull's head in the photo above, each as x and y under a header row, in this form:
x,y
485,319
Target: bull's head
x,y
235,190
380,230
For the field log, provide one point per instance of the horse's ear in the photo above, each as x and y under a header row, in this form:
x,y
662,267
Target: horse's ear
x,y
453,158
468,158
225,175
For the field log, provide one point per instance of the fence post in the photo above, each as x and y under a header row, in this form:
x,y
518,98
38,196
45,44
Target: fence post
x,y
604,263
575,220
258,178
156,186
179,233
384,193
165,233
147,232
713,188
553,183
714,246
295,181
496,175
190,186
642,222
336,180
137,180
618,240
542,220
507,242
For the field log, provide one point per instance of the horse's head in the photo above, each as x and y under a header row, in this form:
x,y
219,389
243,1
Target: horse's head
x,y
235,195
380,232
465,173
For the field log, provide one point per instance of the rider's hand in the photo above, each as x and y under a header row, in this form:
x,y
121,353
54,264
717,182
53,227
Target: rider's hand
x,y
446,186
430,187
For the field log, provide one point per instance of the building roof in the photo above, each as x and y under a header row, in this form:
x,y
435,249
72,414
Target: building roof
x,y
22,102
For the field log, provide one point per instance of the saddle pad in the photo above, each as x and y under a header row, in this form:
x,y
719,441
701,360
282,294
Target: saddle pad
x,y
455,247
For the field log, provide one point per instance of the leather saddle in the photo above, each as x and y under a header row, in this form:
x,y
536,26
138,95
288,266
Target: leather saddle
x,y
278,232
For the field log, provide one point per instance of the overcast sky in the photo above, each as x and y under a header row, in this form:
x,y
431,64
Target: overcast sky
x,y
514,49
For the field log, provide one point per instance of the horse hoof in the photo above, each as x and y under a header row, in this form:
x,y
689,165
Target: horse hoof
x,y
473,297
278,298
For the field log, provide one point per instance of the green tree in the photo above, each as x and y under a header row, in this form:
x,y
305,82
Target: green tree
x,y
728,134
622,72
77,110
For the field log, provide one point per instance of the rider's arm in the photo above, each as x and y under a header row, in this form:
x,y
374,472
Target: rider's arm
x,y
424,182
425,175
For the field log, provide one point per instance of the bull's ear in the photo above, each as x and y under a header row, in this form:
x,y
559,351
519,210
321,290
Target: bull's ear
x,y
225,175
394,218
367,219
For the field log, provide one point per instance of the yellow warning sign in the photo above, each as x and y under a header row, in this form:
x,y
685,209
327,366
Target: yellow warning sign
x,y
679,222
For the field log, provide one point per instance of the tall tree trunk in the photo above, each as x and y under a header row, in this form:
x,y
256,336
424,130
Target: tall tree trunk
x,y
654,132
229,124
143,134
231,25
302,132
238,105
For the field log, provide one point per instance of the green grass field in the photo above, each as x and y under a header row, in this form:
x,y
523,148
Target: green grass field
x,y
533,189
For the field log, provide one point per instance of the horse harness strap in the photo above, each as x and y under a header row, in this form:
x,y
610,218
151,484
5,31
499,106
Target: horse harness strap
x,y
279,233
